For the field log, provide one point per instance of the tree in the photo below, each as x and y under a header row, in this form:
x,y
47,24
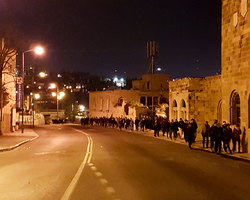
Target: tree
x,y
11,43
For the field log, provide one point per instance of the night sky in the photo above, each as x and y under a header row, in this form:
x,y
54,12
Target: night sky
x,y
101,36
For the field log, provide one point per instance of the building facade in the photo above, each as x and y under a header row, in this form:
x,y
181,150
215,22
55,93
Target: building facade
x,y
150,91
224,97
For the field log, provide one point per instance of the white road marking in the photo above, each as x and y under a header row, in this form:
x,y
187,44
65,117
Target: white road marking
x,y
110,190
103,181
86,160
46,153
93,168
98,174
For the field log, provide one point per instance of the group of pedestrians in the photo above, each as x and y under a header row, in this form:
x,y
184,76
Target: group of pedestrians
x,y
215,137
183,129
218,135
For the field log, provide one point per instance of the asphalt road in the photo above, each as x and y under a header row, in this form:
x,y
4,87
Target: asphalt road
x,y
94,163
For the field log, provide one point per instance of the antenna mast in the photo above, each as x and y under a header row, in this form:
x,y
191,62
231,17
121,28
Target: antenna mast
x,y
152,53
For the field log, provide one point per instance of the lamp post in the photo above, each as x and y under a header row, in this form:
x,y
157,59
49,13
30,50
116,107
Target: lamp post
x,y
58,95
35,97
39,51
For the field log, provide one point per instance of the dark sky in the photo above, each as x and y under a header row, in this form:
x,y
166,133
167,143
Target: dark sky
x,y
101,36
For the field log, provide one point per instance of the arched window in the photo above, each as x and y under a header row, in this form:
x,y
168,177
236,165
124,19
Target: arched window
x,y
219,112
126,108
235,108
174,104
120,101
183,110
101,104
175,110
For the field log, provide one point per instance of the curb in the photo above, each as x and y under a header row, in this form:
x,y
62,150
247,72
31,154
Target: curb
x,y
18,145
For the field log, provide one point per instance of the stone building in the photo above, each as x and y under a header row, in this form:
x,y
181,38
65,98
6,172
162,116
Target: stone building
x,y
198,98
150,91
225,97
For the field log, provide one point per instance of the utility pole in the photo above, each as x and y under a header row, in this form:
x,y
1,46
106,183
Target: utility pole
x,y
152,53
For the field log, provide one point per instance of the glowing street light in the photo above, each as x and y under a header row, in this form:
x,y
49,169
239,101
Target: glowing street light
x,y
82,108
58,95
37,96
42,74
38,50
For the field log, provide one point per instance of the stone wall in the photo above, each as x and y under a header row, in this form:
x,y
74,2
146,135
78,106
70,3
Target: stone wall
x,y
236,62
212,95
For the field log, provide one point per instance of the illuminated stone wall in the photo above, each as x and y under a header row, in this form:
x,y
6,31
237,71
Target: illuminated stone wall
x,y
236,61
111,103
200,97
107,103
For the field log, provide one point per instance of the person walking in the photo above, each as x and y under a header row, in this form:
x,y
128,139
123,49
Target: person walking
x,y
171,128
205,134
194,126
157,126
217,132
181,128
137,122
227,135
176,127
236,137
190,135
212,137
163,125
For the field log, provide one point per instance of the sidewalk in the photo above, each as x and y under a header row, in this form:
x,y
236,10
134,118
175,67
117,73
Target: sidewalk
x,y
198,146
12,140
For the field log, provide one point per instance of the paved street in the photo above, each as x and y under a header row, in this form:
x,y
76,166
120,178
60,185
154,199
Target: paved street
x,y
90,163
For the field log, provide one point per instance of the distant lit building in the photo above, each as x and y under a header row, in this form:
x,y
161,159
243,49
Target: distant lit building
x,y
149,92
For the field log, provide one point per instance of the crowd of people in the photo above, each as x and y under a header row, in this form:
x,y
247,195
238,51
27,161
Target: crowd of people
x,y
172,129
218,135
214,137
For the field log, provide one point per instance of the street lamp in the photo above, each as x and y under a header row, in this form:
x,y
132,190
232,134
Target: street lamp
x,y
57,94
39,51
42,74
35,97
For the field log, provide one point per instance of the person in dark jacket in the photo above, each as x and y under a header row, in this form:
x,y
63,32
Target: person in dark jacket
x,y
171,128
205,134
137,121
189,135
163,125
227,135
157,126
212,137
176,127
194,126
236,137
181,128
217,134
